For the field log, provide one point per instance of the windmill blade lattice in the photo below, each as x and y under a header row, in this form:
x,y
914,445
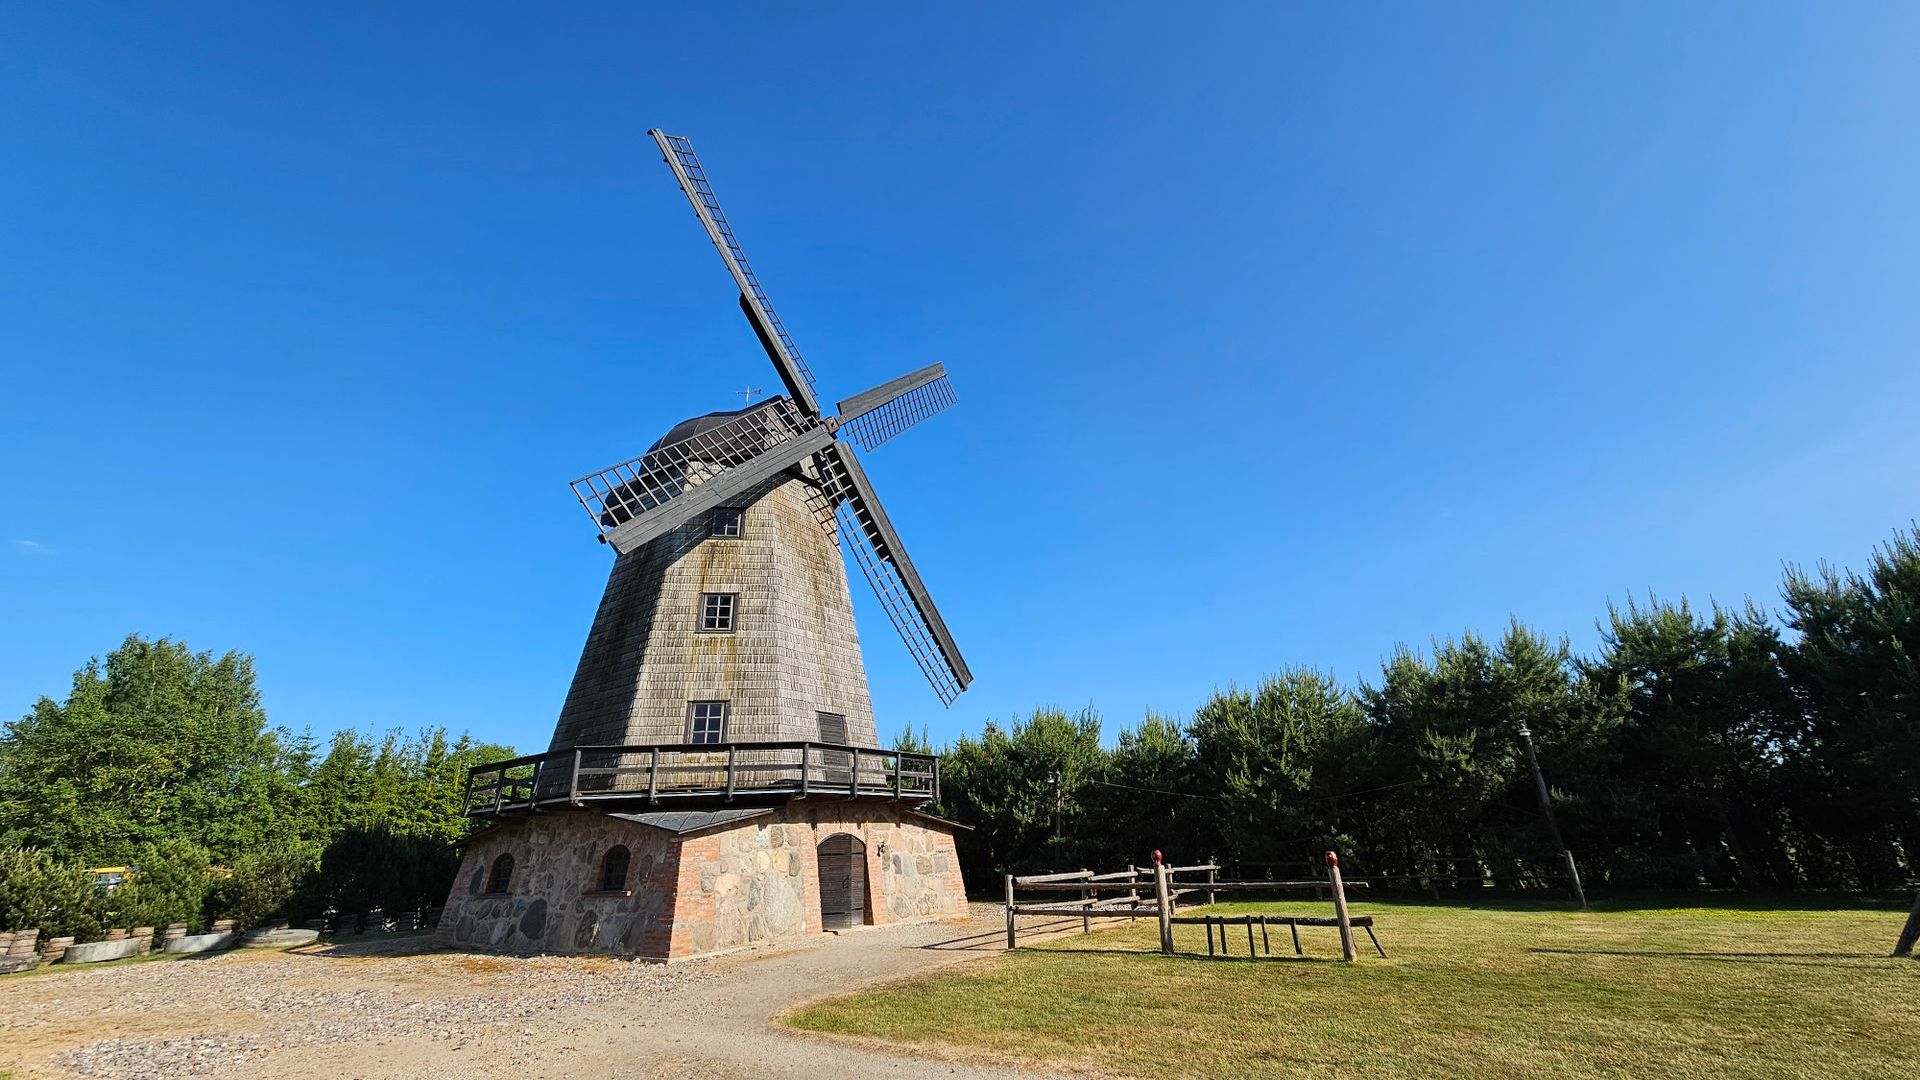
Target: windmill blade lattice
x,y
899,606
636,500
686,166
849,506
883,422
640,500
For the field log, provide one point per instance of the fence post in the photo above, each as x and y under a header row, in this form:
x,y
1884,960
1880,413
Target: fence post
x,y
1573,875
1166,914
1086,919
1911,934
1133,894
1340,907
1011,942
1212,876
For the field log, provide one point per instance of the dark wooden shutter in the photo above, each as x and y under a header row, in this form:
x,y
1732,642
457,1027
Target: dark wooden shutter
x,y
836,765
843,882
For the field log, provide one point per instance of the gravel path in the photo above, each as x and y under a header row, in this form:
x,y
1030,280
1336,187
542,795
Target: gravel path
x,y
394,1009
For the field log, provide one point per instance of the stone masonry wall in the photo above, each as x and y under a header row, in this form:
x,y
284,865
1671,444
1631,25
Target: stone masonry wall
x,y
742,886
753,882
551,905
759,881
917,875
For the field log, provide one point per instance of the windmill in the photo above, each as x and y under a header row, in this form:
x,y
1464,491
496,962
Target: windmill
x,y
715,776
641,499
725,459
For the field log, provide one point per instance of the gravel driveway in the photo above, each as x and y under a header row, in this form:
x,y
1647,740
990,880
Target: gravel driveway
x,y
395,1009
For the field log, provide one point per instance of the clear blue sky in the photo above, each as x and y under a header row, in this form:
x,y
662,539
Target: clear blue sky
x,y
1281,334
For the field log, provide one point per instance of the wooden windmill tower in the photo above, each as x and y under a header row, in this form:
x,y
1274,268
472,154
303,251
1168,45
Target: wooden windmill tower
x,y
719,722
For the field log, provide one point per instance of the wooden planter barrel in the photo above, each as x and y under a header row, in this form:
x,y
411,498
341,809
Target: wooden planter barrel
x,y
55,948
144,935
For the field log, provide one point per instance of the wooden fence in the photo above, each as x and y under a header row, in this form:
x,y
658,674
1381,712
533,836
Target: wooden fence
x,y
1118,895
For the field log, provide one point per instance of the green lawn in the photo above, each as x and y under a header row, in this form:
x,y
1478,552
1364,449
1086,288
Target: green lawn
x,y
1466,991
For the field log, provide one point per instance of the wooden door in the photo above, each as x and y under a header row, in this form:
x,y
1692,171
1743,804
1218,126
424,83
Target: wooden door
x,y
843,882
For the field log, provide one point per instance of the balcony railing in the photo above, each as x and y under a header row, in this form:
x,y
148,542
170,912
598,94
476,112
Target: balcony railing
x,y
683,771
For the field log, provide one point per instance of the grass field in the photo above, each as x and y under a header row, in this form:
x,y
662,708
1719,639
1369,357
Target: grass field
x,y
1466,991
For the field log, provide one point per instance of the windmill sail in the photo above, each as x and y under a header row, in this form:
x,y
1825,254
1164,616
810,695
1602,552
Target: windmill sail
x,y
678,150
725,457
867,533
637,500
873,417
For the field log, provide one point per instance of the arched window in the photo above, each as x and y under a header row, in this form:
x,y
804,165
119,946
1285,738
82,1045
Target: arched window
x,y
613,870
502,875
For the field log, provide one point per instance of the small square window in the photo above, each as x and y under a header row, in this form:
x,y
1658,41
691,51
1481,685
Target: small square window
x,y
716,612
706,722
726,522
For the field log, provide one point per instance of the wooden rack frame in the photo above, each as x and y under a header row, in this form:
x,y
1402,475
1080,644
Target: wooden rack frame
x,y
1116,895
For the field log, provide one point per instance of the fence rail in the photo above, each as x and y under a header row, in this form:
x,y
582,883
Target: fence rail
x,y
678,771
1125,902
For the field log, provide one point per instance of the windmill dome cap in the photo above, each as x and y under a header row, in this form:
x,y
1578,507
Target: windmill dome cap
x,y
700,425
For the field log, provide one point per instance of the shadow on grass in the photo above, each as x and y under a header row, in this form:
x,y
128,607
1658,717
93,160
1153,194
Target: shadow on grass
x,y
1787,959
1275,958
970,943
988,940
1624,904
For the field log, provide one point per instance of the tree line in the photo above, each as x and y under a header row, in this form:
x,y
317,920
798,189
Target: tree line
x,y
162,759
1694,748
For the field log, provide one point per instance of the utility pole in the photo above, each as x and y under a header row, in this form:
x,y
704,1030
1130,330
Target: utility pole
x,y
1546,810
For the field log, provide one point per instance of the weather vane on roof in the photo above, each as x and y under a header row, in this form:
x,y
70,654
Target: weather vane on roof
x,y
747,395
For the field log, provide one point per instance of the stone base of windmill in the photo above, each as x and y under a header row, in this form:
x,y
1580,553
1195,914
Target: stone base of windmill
x,y
703,881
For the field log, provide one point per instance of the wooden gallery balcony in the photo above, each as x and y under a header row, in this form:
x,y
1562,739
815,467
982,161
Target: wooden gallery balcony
x,y
689,772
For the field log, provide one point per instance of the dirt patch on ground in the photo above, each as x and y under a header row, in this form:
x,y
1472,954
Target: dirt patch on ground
x,y
398,1009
